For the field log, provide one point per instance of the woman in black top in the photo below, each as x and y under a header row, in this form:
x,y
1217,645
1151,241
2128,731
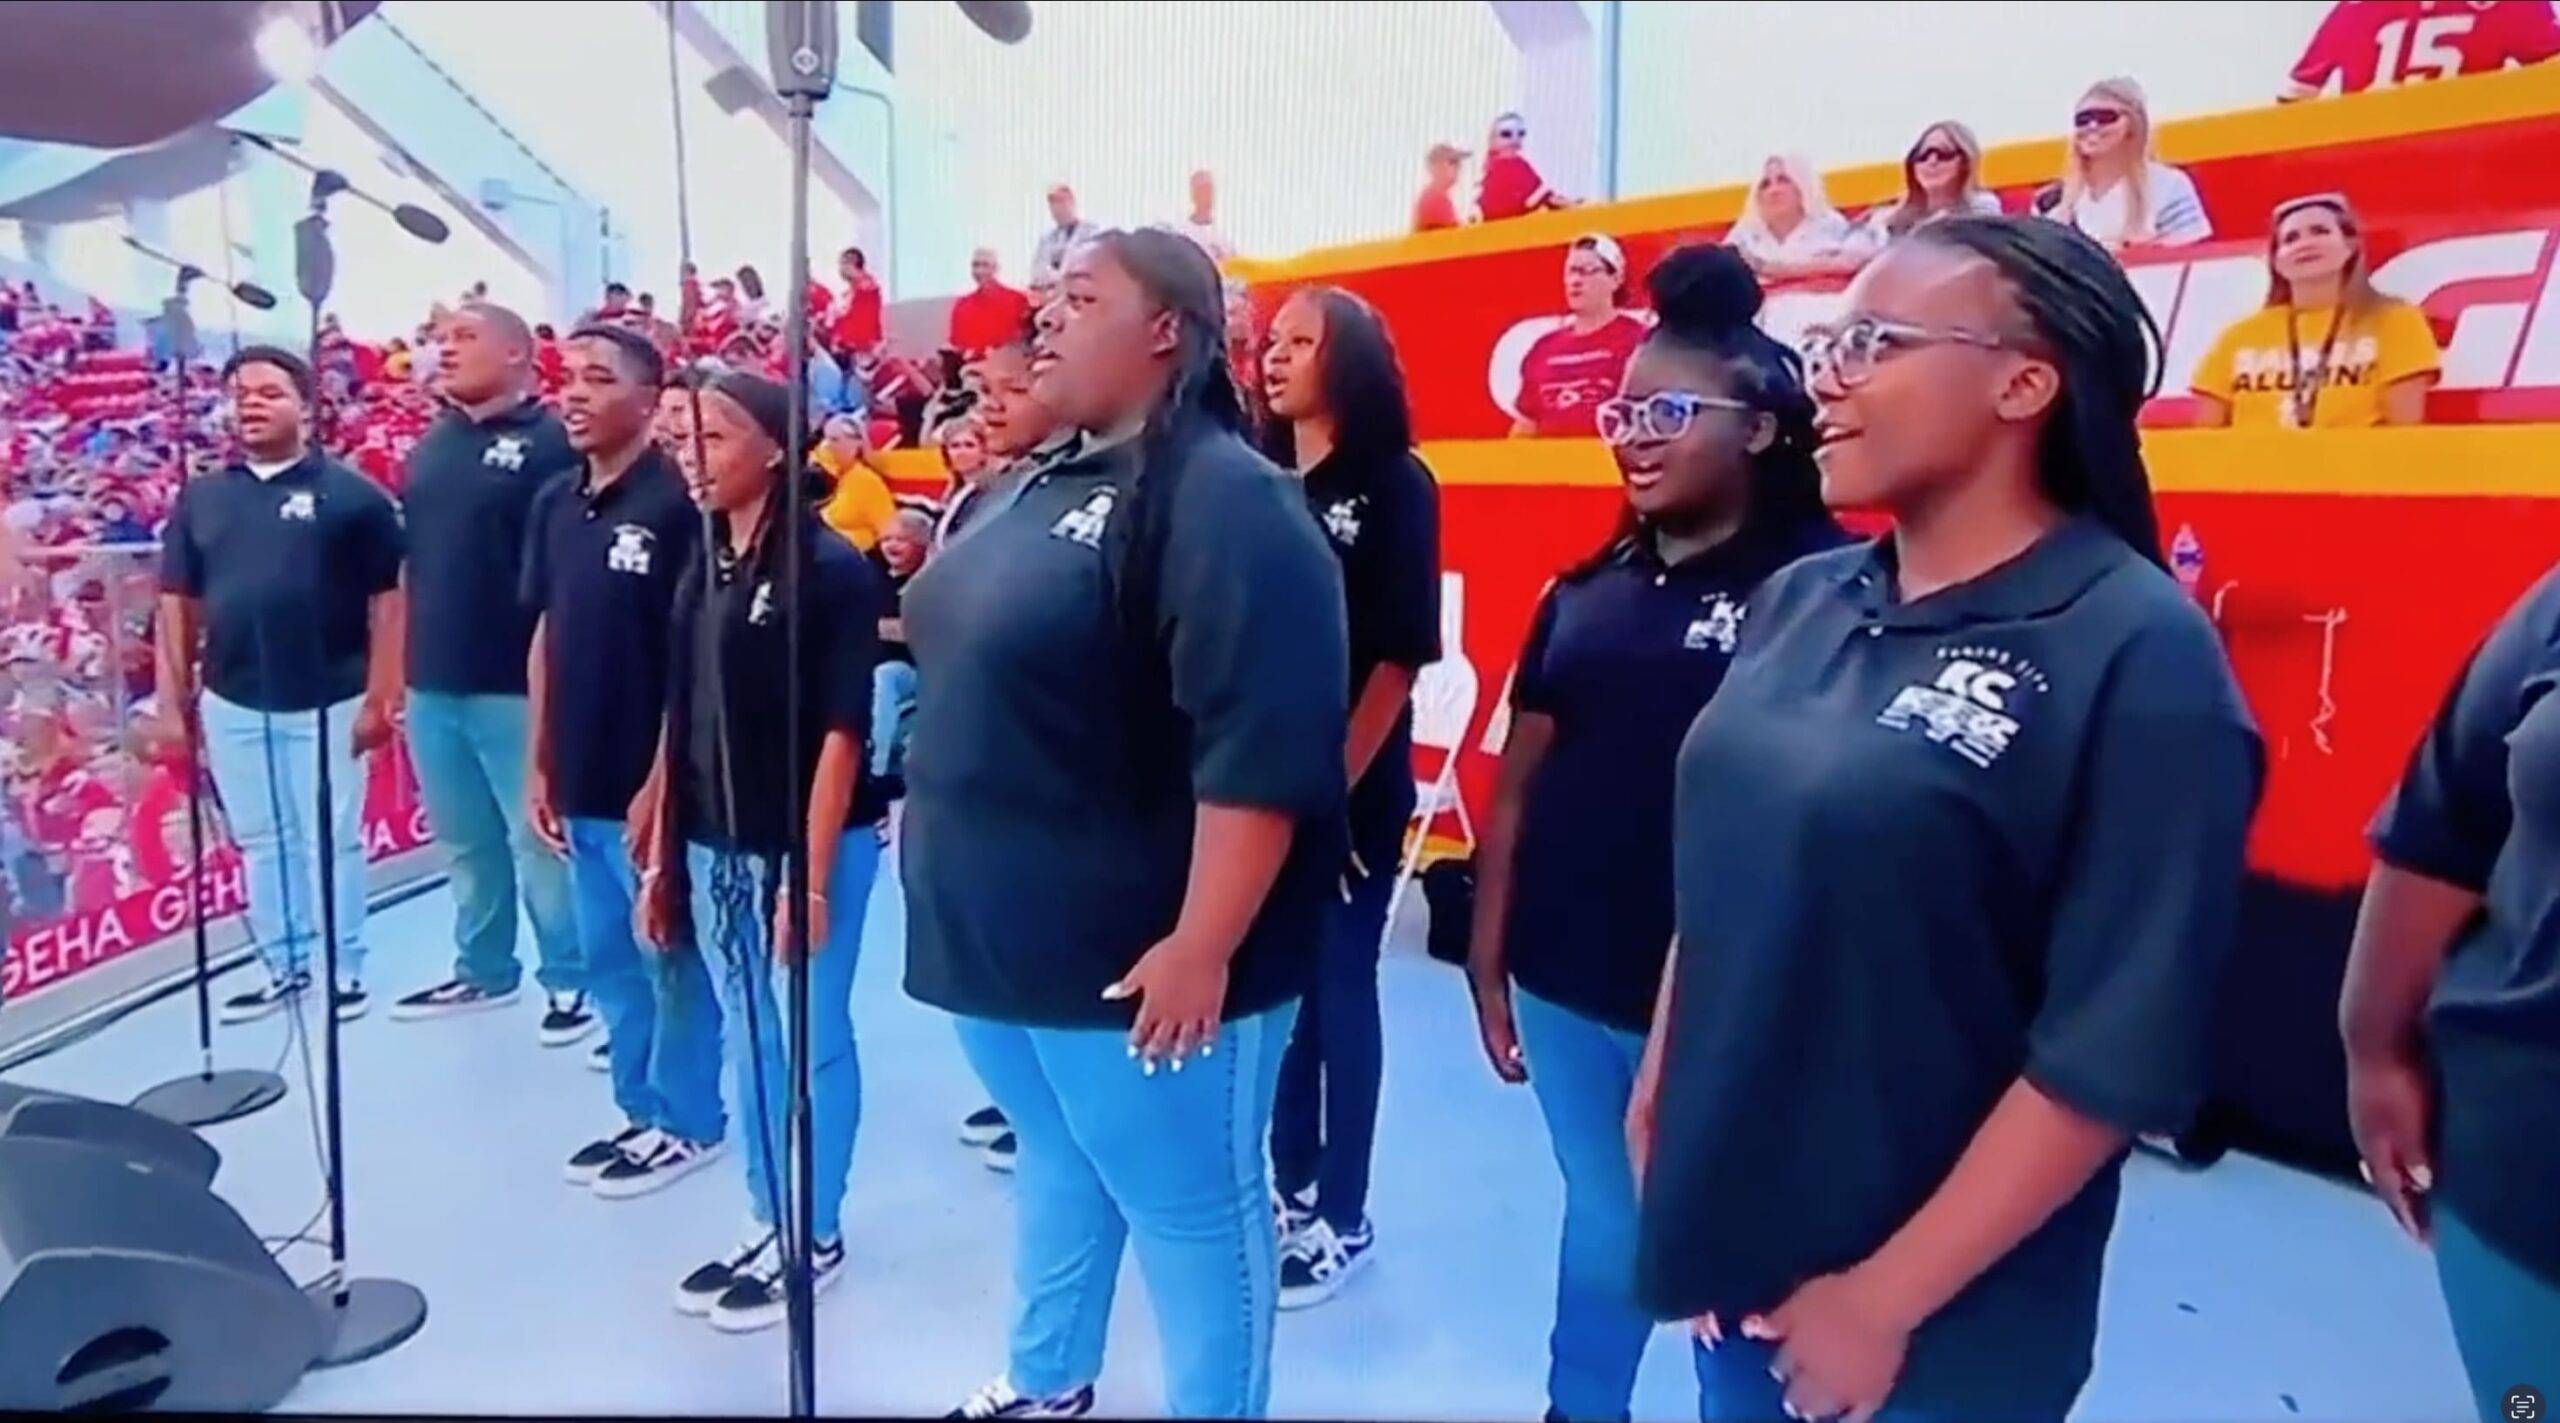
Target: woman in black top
x,y
726,778
1957,851
1337,402
1123,835
1713,435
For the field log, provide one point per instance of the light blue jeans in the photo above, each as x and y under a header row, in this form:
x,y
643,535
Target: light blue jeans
x,y
266,769
733,904
661,1020
470,756
2506,1319
1582,1072
1173,1161
893,702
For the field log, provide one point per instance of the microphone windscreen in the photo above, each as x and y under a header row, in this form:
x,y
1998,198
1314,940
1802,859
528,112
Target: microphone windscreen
x,y
1004,21
254,295
420,223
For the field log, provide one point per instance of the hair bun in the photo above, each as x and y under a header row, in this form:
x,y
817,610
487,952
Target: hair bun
x,y
1703,286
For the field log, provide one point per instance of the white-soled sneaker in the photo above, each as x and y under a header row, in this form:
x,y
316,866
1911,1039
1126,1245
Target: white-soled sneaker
x,y
589,1161
568,1019
982,1126
653,1165
1001,1400
699,1291
999,1154
1321,1261
265,1000
757,1299
1292,1214
600,1057
447,1000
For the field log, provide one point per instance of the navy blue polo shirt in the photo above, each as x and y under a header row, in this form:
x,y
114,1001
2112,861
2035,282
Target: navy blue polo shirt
x,y
468,500
601,566
1923,849
286,569
729,679
1381,513
1621,655
1048,841
2480,808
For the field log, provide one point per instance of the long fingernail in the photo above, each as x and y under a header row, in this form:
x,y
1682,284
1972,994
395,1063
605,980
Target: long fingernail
x,y
1208,1048
1150,1068
2423,1179
1177,1064
1133,1051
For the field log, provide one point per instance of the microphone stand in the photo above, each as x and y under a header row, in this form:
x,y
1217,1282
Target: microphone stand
x,y
207,1096
801,110
360,1318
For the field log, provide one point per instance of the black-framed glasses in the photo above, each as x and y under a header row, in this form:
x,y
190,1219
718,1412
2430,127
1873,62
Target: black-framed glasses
x,y
1849,353
1663,415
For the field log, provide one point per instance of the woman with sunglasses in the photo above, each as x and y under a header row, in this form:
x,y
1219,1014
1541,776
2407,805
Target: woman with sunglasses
x,y
2327,350
1336,397
2113,187
1941,177
1957,850
1713,437
1577,363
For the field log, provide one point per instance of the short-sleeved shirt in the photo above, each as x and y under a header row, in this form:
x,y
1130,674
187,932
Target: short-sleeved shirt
x,y
1567,373
2479,807
2178,216
728,685
2261,358
601,568
1381,514
468,498
1511,187
286,568
1620,657
1060,752
2374,44
1924,849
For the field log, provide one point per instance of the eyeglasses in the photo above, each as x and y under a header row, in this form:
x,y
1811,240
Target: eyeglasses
x,y
1663,415
1850,354
2097,118
1509,134
1936,153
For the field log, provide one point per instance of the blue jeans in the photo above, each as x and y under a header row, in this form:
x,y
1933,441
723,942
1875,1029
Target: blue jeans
x,y
266,770
1324,1122
1582,1072
1173,1160
470,756
893,703
2506,1319
661,1020
734,895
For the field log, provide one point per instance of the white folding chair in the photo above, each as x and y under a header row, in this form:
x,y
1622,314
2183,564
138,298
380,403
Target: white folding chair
x,y
1444,707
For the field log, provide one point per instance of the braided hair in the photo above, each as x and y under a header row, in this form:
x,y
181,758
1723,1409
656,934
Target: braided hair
x,y
2087,318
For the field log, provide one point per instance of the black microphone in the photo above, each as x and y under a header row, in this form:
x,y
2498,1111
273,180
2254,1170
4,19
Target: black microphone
x,y
1004,21
328,182
246,293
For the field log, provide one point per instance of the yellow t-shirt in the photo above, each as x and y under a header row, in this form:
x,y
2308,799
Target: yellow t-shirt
x,y
861,506
2252,367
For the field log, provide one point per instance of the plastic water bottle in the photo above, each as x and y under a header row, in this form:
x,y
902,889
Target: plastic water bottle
x,y
2186,559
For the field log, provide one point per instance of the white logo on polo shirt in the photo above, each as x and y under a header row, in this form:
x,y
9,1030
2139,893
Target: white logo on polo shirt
x,y
299,506
504,452
1719,627
760,607
1085,523
630,551
1342,522
1973,706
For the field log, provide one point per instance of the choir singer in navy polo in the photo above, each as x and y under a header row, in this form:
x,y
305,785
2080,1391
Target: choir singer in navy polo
x,y
1957,851
603,555
468,498
279,582
2451,1013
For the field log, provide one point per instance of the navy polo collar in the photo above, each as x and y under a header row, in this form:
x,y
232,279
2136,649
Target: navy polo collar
x,y
646,466
2049,576
1758,545
301,471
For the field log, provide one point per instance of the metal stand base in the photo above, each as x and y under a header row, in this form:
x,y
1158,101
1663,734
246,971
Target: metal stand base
x,y
377,1317
201,1099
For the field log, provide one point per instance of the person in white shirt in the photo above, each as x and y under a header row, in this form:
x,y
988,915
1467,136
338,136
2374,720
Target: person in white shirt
x,y
1202,225
1067,228
2113,188
1789,227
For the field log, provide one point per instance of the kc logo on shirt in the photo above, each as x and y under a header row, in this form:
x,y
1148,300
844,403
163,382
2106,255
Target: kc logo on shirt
x,y
299,506
1972,707
505,452
1084,524
631,549
1342,522
1719,626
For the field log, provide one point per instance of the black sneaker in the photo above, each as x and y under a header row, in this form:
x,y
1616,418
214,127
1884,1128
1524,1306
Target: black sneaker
x,y
1000,1400
1320,1262
264,1001
589,1161
982,1126
568,1021
600,1057
758,1298
653,1163
699,1291
998,1154
1291,1214
352,1001
448,999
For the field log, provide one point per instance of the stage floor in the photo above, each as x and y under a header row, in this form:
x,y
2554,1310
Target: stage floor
x,y
2245,1292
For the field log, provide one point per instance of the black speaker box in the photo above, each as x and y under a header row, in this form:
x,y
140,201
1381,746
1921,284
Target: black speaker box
x,y
29,1112
126,1285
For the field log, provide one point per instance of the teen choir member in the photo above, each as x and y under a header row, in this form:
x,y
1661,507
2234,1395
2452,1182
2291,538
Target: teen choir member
x,y
1131,727
1339,419
468,496
279,600
2372,361
723,784
1957,848
1714,440
2451,1013
602,558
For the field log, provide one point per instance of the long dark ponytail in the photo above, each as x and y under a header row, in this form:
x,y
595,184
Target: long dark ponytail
x,y
2102,339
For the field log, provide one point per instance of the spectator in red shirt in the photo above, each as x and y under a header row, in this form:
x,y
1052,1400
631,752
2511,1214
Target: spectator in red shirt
x,y
2375,44
1437,207
856,325
1511,186
990,314
1571,369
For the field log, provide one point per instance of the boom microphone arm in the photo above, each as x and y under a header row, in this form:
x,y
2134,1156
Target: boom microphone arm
x,y
327,183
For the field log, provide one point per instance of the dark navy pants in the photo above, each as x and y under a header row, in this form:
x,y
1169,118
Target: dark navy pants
x,y
1325,1122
